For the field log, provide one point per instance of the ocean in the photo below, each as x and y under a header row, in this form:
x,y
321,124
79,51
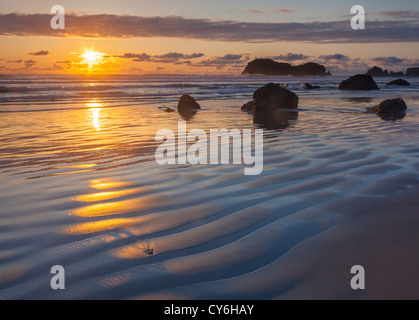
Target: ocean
x,y
80,188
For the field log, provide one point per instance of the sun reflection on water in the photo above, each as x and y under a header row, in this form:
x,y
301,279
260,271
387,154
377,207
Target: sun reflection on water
x,y
95,109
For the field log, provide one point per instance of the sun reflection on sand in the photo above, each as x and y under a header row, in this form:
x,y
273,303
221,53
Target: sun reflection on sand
x,y
98,226
101,184
100,196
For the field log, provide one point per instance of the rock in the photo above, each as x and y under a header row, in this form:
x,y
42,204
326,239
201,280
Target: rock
x,y
377,72
187,103
396,74
398,82
270,67
273,96
310,69
412,72
247,107
187,107
359,82
308,86
169,110
393,108
328,73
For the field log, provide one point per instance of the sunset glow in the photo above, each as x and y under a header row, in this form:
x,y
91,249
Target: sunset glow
x,y
92,58
201,39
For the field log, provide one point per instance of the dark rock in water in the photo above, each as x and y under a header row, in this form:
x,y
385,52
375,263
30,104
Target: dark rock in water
x,y
393,108
278,119
396,74
273,96
310,69
328,73
273,107
187,107
377,72
248,106
150,251
359,82
412,72
187,103
308,86
169,110
398,82
270,67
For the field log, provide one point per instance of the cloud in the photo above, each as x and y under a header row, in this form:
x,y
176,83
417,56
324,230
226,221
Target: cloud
x,y
178,56
408,14
57,67
283,11
116,26
228,60
171,57
139,57
388,60
30,63
15,61
291,57
61,65
39,53
255,11
336,56
230,57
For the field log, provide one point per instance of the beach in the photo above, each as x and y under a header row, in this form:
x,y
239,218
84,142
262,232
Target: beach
x,y
81,188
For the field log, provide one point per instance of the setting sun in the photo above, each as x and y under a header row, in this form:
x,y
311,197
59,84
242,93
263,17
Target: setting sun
x,y
92,58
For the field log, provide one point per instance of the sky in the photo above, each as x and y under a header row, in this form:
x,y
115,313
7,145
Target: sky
x,y
205,37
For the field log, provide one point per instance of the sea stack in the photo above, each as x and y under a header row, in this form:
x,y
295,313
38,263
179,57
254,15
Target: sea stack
x,y
359,82
412,72
269,67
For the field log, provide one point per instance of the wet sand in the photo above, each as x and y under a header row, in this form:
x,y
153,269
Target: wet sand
x,y
339,188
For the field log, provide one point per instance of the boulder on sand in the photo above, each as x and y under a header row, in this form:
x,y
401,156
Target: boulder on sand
x,y
248,106
359,82
273,107
393,108
187,103
187,107
273,96
398,82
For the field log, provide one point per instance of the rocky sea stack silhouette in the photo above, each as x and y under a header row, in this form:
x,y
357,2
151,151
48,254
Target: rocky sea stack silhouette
x,y
269,67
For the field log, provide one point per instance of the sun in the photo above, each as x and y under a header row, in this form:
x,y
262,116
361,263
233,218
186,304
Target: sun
x,y
92,58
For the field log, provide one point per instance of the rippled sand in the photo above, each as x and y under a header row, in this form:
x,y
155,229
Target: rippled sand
x,y
81,189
